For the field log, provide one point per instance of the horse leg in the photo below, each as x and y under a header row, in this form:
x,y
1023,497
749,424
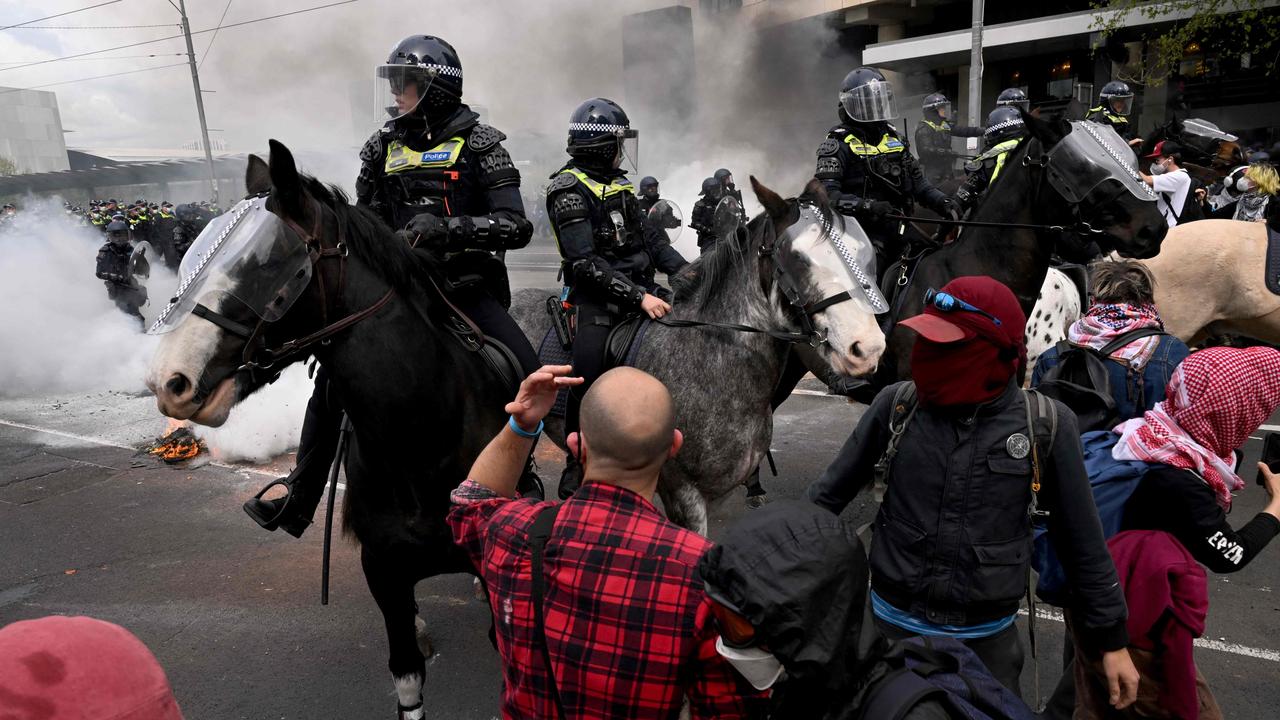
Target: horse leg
x,y
392,589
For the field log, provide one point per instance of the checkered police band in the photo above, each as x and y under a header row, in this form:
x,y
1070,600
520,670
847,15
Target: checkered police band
x,y
598,128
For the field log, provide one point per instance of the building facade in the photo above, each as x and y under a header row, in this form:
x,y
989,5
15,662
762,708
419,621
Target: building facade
x,y
31,132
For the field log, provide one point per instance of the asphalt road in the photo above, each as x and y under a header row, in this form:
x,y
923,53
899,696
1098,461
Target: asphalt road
x,y
233,614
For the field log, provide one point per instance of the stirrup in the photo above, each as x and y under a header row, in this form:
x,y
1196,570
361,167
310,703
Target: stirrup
x,y
273,522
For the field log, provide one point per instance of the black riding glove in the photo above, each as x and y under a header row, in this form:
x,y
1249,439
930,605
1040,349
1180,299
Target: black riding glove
x,y
949,209
876,209
428,232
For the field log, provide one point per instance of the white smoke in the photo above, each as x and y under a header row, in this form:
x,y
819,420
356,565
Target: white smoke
x,y
58,331
266,424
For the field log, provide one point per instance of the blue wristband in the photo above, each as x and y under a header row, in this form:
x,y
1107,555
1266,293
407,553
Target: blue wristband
x,y
515,428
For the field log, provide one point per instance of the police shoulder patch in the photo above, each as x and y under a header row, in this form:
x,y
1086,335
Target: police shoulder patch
x,y
484,137
829,147
372,150
562,181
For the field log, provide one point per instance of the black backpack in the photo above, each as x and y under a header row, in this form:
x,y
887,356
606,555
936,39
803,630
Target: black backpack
x,y
1081,381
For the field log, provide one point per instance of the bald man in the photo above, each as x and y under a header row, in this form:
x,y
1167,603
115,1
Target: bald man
x,y
624,621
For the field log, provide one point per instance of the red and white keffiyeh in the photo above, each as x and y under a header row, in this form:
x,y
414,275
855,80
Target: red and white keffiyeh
x,y
1106,322
1216,398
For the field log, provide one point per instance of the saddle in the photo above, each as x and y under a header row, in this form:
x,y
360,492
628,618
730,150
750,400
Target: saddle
x,y
1273,260
620,350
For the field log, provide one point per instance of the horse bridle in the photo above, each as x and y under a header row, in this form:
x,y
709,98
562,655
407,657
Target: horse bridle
x,y
783,281
256,356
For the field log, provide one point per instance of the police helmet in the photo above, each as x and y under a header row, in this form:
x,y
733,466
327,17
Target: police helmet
x,y
118,229
428,64
649,186
1004,123
724,176
1117,97
1014,97
936,107
712,188
865,96
597,131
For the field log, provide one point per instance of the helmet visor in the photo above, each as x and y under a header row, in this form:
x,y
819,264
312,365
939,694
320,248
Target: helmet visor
x,y
943,109
870,102
1025,105
248,254
840,257
1120,104
666,217
630,146
398,90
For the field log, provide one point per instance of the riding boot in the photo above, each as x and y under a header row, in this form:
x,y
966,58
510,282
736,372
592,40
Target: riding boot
x,y
321,433
756,494
571,478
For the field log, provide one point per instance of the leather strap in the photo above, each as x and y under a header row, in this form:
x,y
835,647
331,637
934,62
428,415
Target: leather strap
x,y
539,533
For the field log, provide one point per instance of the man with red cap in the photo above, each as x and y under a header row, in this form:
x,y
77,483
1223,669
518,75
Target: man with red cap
x,y
1170,182
964,454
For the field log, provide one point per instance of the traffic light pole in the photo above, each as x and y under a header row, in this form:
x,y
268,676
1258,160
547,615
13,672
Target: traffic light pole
x,y
195,81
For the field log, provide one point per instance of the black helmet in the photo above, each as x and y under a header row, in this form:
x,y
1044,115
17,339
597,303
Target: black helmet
x,y
430,65
649,186
597,130
936,107
1014,97
1004,123
117,229
865,96
1117,97
712,188
724,176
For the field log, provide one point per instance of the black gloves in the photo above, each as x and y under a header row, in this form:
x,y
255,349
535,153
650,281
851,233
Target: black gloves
x,y
949,209
428,232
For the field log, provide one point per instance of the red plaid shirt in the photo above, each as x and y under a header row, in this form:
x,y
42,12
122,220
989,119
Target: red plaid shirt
x,y
629,628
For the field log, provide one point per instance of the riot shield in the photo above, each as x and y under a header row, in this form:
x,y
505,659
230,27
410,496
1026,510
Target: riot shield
x,y
728,217
666,216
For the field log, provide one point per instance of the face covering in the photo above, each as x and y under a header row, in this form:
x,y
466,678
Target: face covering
x,y
756,666
960,373
1158,169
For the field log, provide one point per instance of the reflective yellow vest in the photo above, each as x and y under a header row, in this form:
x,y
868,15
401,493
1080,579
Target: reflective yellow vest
x,y
401,157
1000,152
1116,119
887,145
600,190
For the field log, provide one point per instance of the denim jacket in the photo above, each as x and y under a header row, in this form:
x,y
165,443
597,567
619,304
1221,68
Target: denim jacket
x,y
1128,388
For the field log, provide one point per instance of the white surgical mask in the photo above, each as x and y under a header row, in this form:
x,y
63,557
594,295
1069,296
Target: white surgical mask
x,y
1158,168
758,667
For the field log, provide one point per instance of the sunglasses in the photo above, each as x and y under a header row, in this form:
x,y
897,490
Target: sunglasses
x,y
946,302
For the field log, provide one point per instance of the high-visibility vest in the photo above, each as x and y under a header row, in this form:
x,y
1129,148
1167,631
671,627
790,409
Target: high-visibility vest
x,y
401,157
887,145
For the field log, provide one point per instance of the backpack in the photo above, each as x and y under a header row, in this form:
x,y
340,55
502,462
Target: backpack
x,y
1082,382
943,670
1112,482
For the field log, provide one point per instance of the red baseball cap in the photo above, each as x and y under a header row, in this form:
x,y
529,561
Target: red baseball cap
x,y
1163,148
67,668
980,291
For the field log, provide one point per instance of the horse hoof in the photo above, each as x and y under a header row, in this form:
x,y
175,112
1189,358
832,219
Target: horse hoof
x,y
755,502
424,642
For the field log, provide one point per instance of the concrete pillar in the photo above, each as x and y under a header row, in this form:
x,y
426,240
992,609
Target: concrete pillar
x,y
887,32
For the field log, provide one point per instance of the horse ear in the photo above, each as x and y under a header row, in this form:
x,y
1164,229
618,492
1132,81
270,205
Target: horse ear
x,y
285,181
772,201
257,176
815,190
1048,132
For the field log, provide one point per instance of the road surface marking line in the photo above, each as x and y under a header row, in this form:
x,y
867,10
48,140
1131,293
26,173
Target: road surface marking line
x,y
1219,645
1270,428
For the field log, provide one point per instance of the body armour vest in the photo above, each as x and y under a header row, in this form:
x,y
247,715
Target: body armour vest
x,y
441,180
617,223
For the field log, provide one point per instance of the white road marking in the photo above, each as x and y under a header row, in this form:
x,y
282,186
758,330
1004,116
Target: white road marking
x,y
1270,428
1220,645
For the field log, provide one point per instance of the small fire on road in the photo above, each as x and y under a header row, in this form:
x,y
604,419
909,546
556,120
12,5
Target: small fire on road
x,y
177,445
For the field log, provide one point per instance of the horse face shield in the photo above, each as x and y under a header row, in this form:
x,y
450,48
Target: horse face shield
x,y
247,253
841,259
1092,164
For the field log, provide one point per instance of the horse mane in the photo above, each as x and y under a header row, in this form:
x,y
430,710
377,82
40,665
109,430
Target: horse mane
x,y
373,242
1015,155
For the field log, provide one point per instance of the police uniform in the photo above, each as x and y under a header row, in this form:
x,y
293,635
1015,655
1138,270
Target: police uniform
x,y
933,143
113,270
1104,116
981,172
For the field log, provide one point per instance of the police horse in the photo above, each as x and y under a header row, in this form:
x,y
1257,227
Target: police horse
x,y
797,274
1063,178
294,270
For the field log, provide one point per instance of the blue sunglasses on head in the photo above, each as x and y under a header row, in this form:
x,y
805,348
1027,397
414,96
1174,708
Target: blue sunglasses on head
x,y
946,302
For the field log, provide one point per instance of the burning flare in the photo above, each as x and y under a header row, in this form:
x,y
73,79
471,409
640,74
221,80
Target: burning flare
x,y
177,444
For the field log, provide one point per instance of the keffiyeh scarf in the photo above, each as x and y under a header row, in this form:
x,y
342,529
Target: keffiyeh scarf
x,y
1104,323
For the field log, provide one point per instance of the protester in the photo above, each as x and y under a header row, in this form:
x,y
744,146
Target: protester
x,y
625,628
1123,301
1258,202
950,552
1171,183
69,668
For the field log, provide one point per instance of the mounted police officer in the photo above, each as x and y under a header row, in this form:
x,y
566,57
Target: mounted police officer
x,y
1115,102
113,268
1005,128
438,174
702,217
726,179
1014,97
598,226
933,138
867,169
649,194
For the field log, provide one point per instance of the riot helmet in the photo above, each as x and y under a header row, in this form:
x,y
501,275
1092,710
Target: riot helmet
x,y
725,177
422,76
1014,97
1117,98
1004,123
600,135
865,96
649,187
936,107
712,189
118,232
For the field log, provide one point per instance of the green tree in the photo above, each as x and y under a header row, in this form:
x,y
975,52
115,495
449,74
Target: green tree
x,y
8,167
1246,31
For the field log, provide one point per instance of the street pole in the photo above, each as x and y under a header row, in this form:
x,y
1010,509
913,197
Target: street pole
x,y
975,67
195,81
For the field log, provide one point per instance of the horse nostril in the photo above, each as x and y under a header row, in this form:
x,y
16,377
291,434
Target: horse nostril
x,y
856,349
178,385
